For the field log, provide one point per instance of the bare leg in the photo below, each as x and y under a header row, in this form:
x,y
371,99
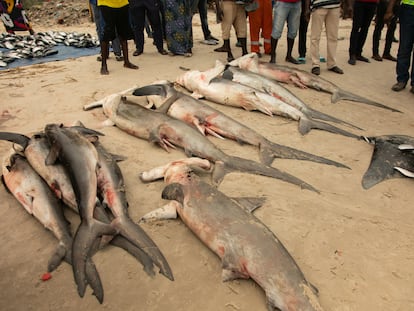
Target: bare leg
x,y
124,46
104,56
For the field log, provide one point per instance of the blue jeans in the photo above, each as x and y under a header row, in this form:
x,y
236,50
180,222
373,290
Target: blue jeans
x,y
406,48
99,23
286,11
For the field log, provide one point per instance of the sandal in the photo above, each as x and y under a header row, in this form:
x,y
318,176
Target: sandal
x,y
302,60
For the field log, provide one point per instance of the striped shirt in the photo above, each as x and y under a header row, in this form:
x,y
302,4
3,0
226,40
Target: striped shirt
x,y
326,4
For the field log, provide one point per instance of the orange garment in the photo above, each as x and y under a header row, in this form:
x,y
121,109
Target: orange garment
x,y
261,20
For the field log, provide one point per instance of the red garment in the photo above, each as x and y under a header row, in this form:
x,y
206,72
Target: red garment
x,y
261,20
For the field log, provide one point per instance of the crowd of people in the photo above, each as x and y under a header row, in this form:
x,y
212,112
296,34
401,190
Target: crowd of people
x,y
170,21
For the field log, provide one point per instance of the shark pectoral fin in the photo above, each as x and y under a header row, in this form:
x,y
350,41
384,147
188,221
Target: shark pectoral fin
x,y
219,171
231,271
118,157
53,155
229,275
250,204
335,97
168,211
57,257
261,107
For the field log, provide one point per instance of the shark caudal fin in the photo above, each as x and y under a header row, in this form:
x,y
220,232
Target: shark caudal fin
x,y
345,95
83,243
121,242
314,114
305,125
231,164
140,255
269,151
137,236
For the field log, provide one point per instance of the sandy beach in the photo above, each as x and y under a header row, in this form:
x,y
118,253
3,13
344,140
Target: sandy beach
x,y
356,246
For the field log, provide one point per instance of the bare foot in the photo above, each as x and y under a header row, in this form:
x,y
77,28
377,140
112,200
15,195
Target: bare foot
x,y
104,70
130,65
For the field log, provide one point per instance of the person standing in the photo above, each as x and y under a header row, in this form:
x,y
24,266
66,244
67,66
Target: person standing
x,y
260,21
178,26
229,13
115,14
405,54
379,25
97,17
303,31
140,10
285,11
363,13
202,11
324,13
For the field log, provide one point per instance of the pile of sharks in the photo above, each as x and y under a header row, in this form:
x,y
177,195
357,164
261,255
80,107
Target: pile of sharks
x,y
68,166
172,115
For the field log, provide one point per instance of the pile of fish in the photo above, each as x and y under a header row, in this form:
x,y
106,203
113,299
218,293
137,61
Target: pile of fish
x,y
69,166
169,132
40,44
302,79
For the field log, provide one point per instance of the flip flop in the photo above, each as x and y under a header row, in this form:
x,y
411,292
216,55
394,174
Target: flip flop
x,y
302,60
